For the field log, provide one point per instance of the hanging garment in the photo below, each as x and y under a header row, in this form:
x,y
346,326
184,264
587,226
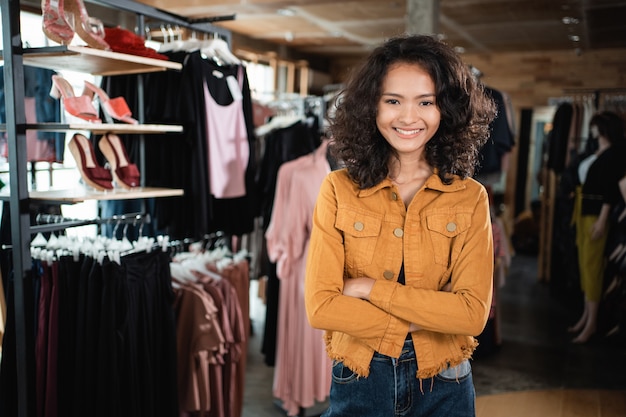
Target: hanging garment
x,y
41,145
302,373
281,145
500,143
200,343
234,212
213,334
228,149
177,97
105,340
37,150
3,311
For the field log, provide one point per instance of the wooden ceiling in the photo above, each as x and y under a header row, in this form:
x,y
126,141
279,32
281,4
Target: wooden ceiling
x,y
523,47
352,27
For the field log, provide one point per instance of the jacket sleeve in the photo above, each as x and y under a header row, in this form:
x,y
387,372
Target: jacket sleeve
x,y
327,308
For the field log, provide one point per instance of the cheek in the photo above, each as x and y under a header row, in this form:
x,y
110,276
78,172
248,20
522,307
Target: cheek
x,y
383,117
379,121
435,119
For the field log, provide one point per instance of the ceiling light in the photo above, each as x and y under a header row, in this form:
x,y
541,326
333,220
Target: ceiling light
x,y
459,49
574,38
568,20
289,36
286,12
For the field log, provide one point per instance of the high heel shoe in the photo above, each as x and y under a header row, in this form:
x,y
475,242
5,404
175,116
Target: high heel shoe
x,y
89,29
80,106
92,173
115,108
125,173
56,24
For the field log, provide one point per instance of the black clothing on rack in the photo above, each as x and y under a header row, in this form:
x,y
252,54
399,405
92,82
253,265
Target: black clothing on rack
x,y
104,338
501,139
179,160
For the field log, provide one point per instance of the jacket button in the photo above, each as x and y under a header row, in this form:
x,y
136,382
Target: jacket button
x,y
451,227
398,232
394,196
358,226
388,274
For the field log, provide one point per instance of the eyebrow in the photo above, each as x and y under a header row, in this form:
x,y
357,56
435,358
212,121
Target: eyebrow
x,y
419,96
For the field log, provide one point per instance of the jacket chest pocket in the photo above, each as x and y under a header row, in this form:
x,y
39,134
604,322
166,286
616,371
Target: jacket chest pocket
x,y
447,233
360,234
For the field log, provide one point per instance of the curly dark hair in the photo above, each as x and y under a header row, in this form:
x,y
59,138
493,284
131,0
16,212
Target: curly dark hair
x,y
466,112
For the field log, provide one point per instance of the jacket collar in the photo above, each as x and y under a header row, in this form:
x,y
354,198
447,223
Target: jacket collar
x,y
433,183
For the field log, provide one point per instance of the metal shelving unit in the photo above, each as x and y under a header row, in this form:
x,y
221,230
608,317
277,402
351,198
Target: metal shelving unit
x,y
83,59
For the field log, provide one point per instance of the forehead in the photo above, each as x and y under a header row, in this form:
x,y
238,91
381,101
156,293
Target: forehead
x,y
409,74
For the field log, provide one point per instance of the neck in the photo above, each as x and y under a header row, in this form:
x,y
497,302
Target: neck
x,y
407,171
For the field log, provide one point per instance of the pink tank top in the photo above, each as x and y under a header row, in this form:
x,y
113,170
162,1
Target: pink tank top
x,y
228,149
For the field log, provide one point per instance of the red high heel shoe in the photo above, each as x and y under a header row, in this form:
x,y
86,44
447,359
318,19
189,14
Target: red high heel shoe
x,y
124,172
93,174
56,24
115,108
89,29
76,106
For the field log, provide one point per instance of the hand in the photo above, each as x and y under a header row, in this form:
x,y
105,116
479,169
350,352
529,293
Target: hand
x,y
358,287
413,327
597,229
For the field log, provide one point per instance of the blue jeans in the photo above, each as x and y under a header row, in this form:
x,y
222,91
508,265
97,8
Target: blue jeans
x,y
392,389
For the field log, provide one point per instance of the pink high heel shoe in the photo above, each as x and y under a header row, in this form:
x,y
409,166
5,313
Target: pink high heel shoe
x,y
76,106
56,24
89,29
115,108
125,173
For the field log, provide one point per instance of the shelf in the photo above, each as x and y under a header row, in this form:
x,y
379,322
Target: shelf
x,y
80,194
102,128
94,61
105,127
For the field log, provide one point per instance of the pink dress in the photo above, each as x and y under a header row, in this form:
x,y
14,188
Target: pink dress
x,y
302,373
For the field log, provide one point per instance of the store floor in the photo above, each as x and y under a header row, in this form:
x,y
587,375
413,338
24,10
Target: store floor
x,y
536,371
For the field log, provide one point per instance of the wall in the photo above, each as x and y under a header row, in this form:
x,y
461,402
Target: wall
x,y
532,78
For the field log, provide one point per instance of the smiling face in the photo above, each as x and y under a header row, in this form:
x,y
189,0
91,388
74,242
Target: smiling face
x,y
408,116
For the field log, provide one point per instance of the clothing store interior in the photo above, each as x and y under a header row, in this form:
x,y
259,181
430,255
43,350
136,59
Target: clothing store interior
x,y
153,250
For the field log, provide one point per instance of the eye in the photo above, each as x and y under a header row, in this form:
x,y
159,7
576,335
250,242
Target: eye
x,y
392,101
427,103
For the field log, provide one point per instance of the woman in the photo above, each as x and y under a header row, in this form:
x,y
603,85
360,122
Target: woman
x,y
599,174
400,264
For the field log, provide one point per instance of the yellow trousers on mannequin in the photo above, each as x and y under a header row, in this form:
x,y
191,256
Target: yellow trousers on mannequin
x,y
591,260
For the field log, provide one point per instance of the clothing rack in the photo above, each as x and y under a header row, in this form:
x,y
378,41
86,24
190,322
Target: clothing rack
x,y
209,241
166,32
53,222
598,95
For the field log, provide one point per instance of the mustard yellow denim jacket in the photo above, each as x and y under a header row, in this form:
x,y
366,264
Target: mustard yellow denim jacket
x,y
443,235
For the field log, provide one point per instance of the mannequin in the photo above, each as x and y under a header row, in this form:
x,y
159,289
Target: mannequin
x,y
599,174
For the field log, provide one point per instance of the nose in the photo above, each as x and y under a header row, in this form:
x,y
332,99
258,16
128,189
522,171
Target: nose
x,y
409,113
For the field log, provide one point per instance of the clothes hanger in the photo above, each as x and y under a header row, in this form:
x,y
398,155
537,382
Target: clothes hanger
x,y
219,50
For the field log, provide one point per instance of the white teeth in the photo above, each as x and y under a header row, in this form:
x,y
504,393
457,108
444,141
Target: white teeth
x,y
407,132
